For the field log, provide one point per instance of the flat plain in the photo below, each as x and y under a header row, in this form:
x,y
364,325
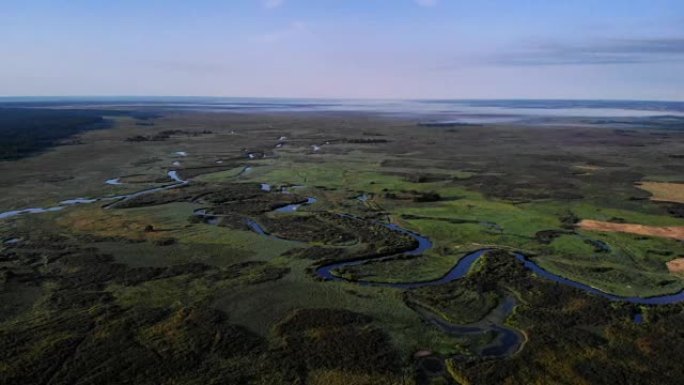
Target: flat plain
x,y
216,279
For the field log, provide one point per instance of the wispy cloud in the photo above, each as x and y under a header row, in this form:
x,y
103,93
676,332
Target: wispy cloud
x,y
291,30
272,4
609,51
426,3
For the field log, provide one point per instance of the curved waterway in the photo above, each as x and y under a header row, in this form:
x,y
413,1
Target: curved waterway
x,y
215,219
461,268
507,340
655,300
172,174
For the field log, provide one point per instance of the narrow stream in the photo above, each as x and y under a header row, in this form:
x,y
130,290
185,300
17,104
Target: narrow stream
x,y
506,341
173,175
295,206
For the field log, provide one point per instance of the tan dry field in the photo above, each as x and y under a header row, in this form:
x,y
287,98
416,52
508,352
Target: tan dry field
x,y
676,266
664,191
673,232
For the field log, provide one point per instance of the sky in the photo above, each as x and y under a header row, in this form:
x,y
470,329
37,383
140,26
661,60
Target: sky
x,y
389,49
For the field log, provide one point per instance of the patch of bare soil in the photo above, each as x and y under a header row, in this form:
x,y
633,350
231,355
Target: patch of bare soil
x,y
664,191
676,266
673,232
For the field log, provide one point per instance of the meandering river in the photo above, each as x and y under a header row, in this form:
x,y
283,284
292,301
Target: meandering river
x,y
507,341
172,174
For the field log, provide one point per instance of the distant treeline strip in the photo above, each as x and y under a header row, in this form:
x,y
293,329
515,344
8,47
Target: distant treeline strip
x,y
26,131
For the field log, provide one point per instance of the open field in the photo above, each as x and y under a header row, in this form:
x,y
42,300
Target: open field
x,y
674,232
148,285
676,266
664,192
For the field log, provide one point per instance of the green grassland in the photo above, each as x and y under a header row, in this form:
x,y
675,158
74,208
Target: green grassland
x,y
494,222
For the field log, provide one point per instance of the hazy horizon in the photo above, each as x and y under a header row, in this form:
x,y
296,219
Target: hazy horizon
x,y
356,49
143,97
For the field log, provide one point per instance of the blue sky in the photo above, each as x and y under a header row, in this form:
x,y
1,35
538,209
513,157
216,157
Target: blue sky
x,y
592,49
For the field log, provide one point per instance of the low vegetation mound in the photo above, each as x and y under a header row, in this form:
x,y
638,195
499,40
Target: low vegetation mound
x,y
336,339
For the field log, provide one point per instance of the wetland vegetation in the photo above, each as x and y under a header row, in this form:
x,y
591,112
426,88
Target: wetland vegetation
x,y
340,248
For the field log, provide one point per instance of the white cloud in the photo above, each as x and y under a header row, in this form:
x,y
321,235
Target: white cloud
x,y
272,4
426,3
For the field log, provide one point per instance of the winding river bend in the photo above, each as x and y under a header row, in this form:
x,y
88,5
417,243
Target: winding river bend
x,y
461,268
507,340
172,174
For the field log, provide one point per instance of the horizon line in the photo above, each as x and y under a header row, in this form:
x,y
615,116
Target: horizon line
x,y
332,98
